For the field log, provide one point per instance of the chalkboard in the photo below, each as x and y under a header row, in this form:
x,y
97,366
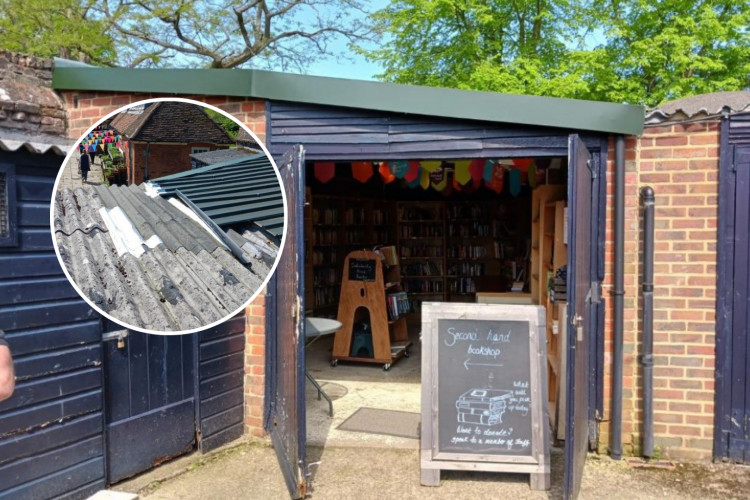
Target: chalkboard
x,y
484,402
362,269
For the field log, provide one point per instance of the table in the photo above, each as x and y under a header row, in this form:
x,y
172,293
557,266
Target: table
x,y
314,329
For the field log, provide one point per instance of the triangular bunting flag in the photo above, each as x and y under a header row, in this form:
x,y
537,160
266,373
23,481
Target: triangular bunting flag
x,y
385,172
431,165
399,168
487,172
324,171
424,179
362,170
462,171
514,182
413,174
438,179
476,169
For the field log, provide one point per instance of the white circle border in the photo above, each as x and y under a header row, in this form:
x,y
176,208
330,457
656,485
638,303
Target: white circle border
x,y
74,149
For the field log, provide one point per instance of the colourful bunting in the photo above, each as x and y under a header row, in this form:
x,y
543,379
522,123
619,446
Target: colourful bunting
x,y
413,174
476,169
399,168
362,170
415,182
385,172
324,171
431,165
498,176
522,164
514,182
438,179
488,169
424,179
462,174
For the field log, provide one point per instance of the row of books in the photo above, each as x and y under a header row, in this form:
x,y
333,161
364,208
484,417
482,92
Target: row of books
x,y
462,285
325,236
397,304
326,276
411,251
324,256
468,251
426,268
326,296
469,229
420,231
423,286
355,216
325,215
415,213
466,269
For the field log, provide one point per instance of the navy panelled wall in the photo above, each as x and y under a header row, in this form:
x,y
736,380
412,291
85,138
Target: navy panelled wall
x,y
220,386
330,133
51,429
738,131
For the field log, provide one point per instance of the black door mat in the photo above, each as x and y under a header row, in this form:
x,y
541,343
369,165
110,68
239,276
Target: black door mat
x,y
390,422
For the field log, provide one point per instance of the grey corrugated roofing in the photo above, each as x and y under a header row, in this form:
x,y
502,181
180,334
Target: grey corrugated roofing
x,y
703,105
13,140
243,190
186,282
220,156
568,114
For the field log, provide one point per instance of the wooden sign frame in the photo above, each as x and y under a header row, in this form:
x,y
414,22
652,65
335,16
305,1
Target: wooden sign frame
x,y
432,459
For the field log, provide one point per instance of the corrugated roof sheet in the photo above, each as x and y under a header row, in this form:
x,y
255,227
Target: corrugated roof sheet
x,y
187,281
13,140
171,121
243,190
703,105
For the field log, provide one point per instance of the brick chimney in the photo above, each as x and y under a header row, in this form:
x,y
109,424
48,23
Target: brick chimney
x,y
27,102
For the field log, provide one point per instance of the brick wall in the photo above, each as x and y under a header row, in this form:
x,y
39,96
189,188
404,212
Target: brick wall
x,y
85,108
681,163
163,159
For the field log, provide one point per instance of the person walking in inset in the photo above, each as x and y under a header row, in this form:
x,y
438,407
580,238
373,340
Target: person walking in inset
x,y
84,162
7,378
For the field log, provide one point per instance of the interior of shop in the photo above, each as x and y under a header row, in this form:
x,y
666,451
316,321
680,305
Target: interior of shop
x,y
381,238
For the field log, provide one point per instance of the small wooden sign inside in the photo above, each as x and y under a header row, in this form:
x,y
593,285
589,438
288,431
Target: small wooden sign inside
x,y
362,269
484,374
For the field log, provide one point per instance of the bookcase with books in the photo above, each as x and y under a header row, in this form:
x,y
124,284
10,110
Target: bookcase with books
x,y
421,246
339,225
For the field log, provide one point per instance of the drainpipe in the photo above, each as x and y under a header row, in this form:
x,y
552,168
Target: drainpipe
x,y
647,359
145,173
619,297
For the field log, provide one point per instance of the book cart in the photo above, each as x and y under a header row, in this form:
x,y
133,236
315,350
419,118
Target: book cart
x,y
370,288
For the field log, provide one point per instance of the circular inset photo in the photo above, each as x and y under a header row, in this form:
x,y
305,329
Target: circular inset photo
x,y
168,216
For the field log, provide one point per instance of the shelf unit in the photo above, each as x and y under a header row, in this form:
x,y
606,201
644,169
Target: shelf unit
x,y
421,249
339,225
366,301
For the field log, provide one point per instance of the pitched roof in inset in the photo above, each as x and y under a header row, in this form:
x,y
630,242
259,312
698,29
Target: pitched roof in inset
x,y
246,140
219,156
700,106
147,261
170,121
243,190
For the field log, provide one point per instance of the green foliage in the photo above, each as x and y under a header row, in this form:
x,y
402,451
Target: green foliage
x,y
231,126
634,51
48,28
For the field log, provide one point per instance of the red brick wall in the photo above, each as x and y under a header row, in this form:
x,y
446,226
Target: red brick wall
x,y
94,105
680,162
163,159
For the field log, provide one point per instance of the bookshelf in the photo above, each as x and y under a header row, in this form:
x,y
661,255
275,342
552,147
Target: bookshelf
x,y
421,247
372,310
339,225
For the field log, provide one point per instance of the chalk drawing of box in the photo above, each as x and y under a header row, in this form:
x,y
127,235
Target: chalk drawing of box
x,y
482,406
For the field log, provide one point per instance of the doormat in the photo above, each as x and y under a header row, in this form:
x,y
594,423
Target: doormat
x,y
390,422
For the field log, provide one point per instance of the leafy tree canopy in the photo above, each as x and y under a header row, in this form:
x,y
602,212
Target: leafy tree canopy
x,y
634,51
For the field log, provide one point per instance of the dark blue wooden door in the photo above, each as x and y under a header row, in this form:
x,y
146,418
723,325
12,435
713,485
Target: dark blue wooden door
x,y
732,437
285,338
580,249
149,392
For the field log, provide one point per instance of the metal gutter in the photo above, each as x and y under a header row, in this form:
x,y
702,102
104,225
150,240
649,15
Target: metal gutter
x,y
619,297
390,97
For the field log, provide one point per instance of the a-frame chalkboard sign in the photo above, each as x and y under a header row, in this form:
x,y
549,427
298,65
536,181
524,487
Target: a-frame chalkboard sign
x,y
484,404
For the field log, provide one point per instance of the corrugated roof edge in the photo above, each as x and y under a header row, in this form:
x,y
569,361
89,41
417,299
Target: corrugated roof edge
x,y
208,168
390,97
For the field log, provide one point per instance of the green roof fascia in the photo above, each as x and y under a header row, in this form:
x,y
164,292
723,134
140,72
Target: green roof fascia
x,y
389,97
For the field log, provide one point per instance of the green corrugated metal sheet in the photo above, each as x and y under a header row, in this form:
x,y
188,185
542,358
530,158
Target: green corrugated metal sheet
x,y
241,190
447,103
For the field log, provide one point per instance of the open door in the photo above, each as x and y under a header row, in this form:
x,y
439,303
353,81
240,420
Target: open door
x,y
581,286
285,336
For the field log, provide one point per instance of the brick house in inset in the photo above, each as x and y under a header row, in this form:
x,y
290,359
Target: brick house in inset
x,y
158,138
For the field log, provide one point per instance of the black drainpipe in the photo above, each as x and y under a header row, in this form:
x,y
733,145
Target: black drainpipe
x,y
145,174
619,297
647,359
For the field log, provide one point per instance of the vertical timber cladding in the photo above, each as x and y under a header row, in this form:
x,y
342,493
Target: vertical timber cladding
x,y
51,430
484,404
732,427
